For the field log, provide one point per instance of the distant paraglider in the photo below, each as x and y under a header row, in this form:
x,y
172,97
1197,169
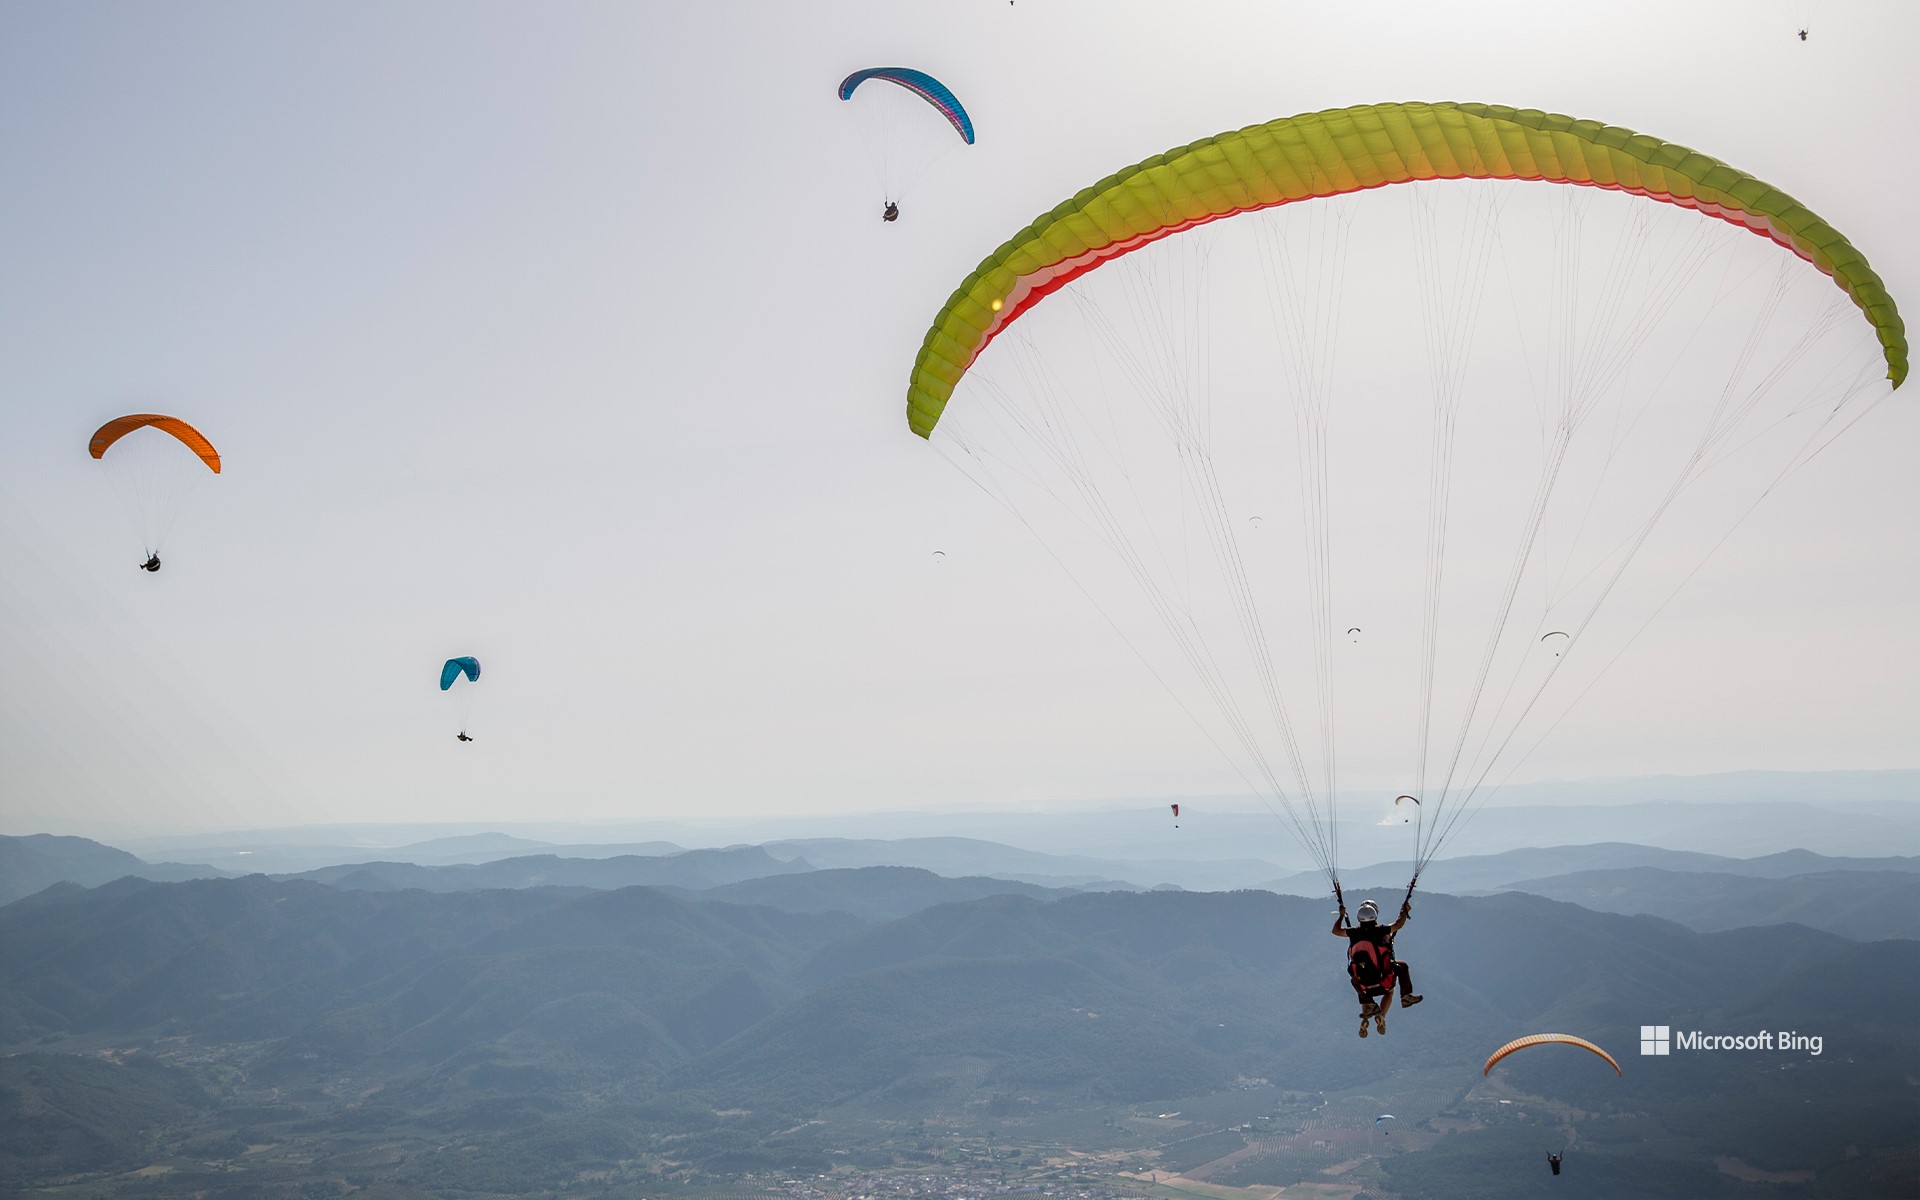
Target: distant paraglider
x,y
1176,816
153,474
451,673
1351,632
1383,1117
1543,1039
899,136
1557,646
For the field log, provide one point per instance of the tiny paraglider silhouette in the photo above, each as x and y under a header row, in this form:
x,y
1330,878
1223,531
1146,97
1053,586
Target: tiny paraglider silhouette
x,y
1803,37
939,556
1553,1160
1176,816
1398,799
1557,645
152,563
1351,632
891,212
1380,1118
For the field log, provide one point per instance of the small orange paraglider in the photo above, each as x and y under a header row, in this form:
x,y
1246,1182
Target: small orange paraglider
x,y
151,474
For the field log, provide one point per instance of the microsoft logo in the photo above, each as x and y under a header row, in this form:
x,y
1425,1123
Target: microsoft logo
x,y
1661,1039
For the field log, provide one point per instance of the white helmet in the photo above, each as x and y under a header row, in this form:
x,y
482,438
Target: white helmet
x,y
1369,913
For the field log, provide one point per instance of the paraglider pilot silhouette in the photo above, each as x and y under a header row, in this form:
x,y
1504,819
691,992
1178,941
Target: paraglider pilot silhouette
x,y
1371,966
152,563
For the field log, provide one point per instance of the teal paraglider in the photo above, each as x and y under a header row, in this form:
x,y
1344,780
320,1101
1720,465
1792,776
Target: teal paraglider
x,y
899,138
920,84
455,668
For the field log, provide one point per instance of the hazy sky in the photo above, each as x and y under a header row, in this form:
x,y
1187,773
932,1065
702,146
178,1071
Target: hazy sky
x,y
567,336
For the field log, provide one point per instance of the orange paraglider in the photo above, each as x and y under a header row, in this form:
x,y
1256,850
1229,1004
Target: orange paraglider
x,y
151,474
190,437
1541,1039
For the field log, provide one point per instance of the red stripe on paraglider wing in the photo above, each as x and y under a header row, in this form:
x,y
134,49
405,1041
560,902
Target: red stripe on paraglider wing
x,y
1035,286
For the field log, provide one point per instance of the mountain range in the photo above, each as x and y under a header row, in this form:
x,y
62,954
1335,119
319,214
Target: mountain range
x,y
310,1016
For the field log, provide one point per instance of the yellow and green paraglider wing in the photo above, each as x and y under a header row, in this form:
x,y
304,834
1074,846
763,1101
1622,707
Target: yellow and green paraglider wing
x,y
1347,150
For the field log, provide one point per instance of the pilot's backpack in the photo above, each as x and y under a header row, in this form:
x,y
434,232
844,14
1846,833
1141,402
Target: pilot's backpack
x,y
1370,965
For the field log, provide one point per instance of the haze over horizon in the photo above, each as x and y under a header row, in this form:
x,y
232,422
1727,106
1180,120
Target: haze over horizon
x,y
1096,818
